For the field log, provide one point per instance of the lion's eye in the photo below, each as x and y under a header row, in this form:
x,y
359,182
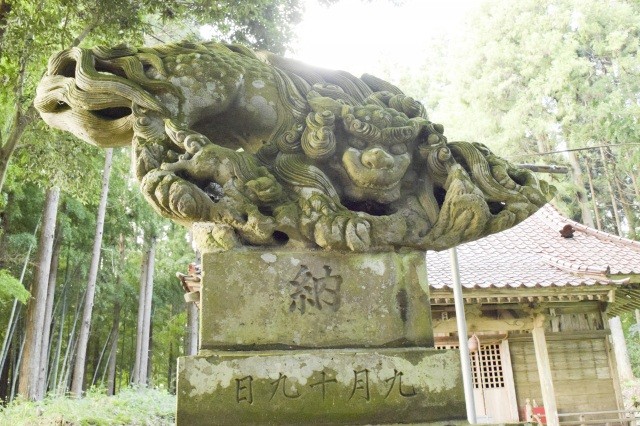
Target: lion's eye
x,y
357,143
398,149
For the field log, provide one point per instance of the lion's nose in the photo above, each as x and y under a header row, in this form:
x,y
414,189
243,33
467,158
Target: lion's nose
x,y
376,158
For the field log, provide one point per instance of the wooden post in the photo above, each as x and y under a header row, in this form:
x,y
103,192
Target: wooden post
x,y
611,357
192,329
544,371
620,350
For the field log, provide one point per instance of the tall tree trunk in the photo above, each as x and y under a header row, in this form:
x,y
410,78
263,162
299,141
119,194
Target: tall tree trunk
x,y
627,206
46,329
146,325
170,368
593,194
115,327
113,350
149,371
85,326
583,200
636,187
55,364
614,204
123,351
135,376
29,369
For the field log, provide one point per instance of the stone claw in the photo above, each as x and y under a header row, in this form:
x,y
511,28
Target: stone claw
x,y
176,198
343,231
358,234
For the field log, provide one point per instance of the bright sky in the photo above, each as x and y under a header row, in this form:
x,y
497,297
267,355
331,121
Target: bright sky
x,y
357,36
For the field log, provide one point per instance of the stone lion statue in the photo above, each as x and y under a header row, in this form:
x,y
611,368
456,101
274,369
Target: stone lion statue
x,y
273,151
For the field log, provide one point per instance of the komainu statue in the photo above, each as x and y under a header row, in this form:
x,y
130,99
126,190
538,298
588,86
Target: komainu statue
x,y
274,152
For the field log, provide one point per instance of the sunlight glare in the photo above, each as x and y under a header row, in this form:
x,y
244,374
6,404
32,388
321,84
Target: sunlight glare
x,y
360,36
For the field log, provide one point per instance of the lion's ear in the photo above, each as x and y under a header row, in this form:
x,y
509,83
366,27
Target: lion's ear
x,y
319,103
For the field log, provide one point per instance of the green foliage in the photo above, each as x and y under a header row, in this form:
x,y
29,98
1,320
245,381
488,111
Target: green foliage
x,y
20,242
550,71
252,22
632,337
50,157
129,407
11,288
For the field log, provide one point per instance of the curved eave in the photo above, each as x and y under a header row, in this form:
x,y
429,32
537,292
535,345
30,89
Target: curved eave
x,y
536,294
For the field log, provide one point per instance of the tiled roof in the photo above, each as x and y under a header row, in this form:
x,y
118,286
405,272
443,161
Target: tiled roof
x,y
534,254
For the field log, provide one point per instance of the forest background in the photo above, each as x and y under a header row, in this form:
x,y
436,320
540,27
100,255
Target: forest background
x,y
538,81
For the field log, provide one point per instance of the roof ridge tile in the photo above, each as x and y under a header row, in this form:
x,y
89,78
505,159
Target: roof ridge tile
x,y
575,267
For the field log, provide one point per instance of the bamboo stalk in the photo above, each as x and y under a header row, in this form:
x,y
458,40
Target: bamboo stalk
x,y
15,310
104,348
87,311
135,376
614,205
16,371
593,194
66,363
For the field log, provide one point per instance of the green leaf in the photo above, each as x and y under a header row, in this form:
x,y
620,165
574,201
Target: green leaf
x,y
11,288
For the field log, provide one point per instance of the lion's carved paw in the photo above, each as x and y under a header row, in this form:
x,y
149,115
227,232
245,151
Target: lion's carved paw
x,y
343,231
176,198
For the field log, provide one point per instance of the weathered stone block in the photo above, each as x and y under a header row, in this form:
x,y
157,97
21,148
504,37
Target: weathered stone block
x,y
320,386
314,299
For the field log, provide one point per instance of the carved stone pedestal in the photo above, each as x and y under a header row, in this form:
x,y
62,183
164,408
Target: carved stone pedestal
x,y
320,386
315,337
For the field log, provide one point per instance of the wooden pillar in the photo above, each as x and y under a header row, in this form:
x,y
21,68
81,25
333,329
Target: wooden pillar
x,y
544,371
192,329
620,350
613,366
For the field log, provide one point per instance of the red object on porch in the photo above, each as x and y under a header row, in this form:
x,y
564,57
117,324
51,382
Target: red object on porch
x,y
539,415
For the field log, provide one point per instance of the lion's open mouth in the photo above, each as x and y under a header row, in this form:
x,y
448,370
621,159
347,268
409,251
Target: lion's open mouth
x,y
113,113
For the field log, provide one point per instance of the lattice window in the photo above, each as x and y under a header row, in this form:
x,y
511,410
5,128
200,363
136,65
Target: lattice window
x,y
486,365
488,374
